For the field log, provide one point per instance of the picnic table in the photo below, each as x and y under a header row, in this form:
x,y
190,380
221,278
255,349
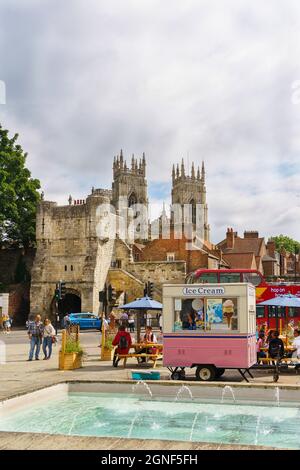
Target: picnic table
x,y
269,360
148,356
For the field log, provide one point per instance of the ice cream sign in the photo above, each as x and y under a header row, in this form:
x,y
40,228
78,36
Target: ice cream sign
x,y
203,291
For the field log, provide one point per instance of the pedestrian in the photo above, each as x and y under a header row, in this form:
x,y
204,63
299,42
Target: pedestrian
x,y
160,322
123,342
296,344
259,345
49,338
35,333
6,324
131,323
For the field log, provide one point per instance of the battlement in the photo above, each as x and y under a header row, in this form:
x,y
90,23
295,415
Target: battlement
x,y
138,167
179,175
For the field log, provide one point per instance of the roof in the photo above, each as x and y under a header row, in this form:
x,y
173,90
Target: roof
x,y
245,245
240,260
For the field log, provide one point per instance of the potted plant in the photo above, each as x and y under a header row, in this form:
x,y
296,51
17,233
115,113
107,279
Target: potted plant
x,y
107,349
70,355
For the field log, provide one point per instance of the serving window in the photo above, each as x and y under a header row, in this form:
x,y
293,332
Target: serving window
x,y
206,314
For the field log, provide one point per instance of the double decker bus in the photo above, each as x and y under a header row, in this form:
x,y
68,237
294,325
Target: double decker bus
x,y
264,291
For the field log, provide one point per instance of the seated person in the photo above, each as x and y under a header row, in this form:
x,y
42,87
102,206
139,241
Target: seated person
x,y
260,344
276,346
296,344
149,338
192,321
123,342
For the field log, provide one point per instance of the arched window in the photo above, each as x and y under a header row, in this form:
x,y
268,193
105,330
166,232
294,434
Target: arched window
x,y
132,200
194,211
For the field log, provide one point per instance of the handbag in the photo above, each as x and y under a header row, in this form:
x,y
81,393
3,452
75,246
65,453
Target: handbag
x,y
53,339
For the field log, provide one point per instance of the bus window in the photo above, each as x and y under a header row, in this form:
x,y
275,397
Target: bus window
x,y
252,278
260,312
210,278
293,312
230,277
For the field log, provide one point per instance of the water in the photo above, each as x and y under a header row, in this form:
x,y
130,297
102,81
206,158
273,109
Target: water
x,y
277,396
139,417
141,382
182,389
229,389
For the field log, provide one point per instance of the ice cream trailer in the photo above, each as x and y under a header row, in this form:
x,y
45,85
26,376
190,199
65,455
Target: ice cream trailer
x,y
210,328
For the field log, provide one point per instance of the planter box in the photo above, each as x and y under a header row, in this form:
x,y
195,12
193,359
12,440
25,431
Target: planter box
x,y
69,361
107,354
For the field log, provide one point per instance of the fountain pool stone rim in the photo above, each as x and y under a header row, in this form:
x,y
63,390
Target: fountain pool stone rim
x,y
8,440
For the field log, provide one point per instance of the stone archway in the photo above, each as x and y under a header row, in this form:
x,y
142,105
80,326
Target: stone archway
x,y
71,303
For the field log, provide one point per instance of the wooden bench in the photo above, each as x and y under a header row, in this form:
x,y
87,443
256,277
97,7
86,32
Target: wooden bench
x,y
151,357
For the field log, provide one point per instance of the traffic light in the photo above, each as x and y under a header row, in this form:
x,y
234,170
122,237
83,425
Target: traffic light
x,y
63,290
57,292
146,290
112,295
150,289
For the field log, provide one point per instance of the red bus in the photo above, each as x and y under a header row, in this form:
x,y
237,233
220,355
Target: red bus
x,y
264,291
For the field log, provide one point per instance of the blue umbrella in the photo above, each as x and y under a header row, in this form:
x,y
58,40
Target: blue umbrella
x,y
282,301
145,303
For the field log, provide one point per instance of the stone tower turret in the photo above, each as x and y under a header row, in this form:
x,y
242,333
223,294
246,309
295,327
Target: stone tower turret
x,y
129,181
192,190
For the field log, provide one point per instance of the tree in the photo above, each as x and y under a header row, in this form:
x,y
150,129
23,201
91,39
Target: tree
x,y
19,194
282,241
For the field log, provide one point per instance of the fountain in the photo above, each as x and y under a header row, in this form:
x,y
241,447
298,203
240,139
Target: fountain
x,y
181,390
145,385
193,425
257,429
277,396
132,424
227,387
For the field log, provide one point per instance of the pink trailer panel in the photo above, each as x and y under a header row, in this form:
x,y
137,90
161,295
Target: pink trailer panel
x,y
184,350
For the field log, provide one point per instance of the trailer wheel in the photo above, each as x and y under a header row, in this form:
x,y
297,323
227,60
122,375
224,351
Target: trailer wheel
x,y
219,372
205,373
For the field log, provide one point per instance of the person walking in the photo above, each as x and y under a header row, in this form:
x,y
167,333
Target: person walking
x,y
35,333
48,338
131,323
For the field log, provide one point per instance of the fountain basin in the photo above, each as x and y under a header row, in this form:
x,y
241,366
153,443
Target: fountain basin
x,y
193,413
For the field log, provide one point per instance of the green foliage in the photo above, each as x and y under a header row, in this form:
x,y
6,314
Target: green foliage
x,y
108,343
73,347
18,193
282,241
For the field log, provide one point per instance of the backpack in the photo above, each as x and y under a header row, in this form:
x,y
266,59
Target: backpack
x,y
123,342
274,348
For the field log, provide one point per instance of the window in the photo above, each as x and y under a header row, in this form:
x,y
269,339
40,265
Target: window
x,y
252,278
260,312
170,256
72,267
293,312
209,278
66,268
230,277
276,312
207,314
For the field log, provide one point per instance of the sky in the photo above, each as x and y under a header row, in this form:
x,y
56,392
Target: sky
x,y
208,80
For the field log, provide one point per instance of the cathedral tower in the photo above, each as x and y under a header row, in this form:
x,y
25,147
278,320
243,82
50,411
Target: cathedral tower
x,y
129,182
191,190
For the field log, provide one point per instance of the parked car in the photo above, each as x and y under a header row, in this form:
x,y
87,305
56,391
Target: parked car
x,y
85,320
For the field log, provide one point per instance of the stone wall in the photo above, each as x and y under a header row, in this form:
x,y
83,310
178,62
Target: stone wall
x,y
159,272
69,249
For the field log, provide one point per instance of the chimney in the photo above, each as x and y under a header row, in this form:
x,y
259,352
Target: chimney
x,y
251,234
230,236
271,248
